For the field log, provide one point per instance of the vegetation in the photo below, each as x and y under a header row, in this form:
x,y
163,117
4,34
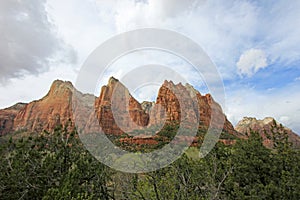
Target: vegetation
x,y
57,166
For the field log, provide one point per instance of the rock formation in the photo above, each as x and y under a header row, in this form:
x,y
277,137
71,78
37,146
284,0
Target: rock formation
x,y
118,112
266,128
201,105
45,114
50,111
7,117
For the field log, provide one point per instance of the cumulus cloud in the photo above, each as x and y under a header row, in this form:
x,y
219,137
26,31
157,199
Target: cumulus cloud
x,y
282,104
28,42
251,61
224,29
133,14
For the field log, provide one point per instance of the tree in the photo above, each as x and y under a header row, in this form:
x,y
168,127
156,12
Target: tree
x,y
52,166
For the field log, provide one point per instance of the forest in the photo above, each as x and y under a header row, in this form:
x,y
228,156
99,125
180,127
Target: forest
x,y
57,166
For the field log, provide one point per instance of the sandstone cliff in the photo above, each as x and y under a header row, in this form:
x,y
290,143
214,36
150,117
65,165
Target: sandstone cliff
x,y
45,114
7,117
50,111
202,105
118,112
266,128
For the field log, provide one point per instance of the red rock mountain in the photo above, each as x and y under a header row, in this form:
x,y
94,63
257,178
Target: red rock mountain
x,y
166,108
266,128
47,113
114,97
114,105
7,117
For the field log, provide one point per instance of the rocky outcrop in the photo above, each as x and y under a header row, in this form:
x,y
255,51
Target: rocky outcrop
x,y
49,112
55,109
203,106
117,111
266,128
7,117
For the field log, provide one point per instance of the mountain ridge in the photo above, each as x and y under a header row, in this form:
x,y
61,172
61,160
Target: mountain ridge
x,y
55,108
266,127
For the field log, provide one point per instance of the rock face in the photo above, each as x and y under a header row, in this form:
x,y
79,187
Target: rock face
x,y
7,117
265,128
201,105
116,116
45,114
50,111
117,111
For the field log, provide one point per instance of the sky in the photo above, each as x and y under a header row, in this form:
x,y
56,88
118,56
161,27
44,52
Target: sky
x,y
255,46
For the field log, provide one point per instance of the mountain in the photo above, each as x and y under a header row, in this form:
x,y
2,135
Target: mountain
x,y
56,109
118,112
266,128
123,101
147,114
7,117
52,110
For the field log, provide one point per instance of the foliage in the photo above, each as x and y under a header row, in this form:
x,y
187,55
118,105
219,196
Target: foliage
x,y
51,166
57,166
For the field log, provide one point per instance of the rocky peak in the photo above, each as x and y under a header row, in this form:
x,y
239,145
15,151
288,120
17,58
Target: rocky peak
x,y
117,111
47,113
112,80
247,122
193,92
56,108
265,128
59,88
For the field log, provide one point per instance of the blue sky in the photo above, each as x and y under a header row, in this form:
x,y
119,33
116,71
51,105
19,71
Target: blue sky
x,y
255,45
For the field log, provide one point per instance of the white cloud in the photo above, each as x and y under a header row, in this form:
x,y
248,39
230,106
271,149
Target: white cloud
x,y
251,61
153,13
33,87
150,67
223,29
82,24
281,104
28,42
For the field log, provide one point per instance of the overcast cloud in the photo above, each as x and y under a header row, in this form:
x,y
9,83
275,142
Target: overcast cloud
x,y
28,42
